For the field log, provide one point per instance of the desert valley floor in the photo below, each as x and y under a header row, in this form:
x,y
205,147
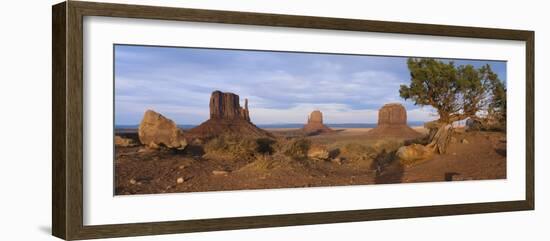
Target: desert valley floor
x,y
355,159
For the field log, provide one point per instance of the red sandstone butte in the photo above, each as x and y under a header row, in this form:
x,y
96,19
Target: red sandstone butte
x,y
227,117
392,122
315,124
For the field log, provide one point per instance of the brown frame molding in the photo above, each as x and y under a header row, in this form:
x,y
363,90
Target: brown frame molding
x,y
67,121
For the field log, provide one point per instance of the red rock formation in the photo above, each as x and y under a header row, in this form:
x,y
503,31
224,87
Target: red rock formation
x,y
227,117
226,106
392,114
315,124
392,122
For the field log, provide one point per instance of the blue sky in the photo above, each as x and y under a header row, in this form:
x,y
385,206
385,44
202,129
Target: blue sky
x,y
282,87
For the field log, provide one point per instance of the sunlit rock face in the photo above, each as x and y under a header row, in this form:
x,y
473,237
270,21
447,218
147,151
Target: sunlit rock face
x,y
392,114
392,122
155,130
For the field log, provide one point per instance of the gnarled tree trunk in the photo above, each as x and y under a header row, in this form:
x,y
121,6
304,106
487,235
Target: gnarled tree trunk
x,y
439,136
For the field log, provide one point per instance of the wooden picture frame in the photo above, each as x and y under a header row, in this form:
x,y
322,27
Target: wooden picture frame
x,y
67,152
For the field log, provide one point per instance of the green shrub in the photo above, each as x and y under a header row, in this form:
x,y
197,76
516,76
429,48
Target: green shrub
x,y
295,148
387,145
265,146
231,146
357,152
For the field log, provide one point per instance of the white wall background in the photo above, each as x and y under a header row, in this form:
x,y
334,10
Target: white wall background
x,y
25,122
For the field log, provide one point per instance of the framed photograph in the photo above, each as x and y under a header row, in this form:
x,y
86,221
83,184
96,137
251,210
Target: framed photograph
x,y
171,120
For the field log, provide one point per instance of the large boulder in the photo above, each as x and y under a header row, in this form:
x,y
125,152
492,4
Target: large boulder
x,y
155,130
318,153
315,124
392,122
227,117
412,154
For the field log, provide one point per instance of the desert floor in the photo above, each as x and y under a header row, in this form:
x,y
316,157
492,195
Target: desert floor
x,y
471,156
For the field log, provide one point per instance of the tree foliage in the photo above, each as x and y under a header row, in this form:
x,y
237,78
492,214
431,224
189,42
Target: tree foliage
x,y
456,92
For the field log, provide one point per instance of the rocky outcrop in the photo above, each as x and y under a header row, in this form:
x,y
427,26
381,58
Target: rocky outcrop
x,y
315,124
227,117
318,153
392,122
124,142
155,130
413,154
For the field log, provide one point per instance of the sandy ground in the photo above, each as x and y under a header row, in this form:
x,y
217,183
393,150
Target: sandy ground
x,y
138,171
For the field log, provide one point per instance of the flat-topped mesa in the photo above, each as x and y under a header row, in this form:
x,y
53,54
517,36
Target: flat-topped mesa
x,y
315,123
392,122
227,117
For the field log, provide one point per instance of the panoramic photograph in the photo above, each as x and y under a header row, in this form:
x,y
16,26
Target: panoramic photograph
x,y
201,119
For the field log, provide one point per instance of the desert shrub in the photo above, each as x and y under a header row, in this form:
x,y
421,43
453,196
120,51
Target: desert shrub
x,y
295,148
387,145
372,155
423,140
265,146
231,146
264,163
384,153
356,152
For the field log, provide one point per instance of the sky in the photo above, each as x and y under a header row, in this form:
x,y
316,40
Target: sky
x,y
281,87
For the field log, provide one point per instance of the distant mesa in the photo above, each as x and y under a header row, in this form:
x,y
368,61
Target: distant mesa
x,y
155,130
392,122
227,117
315,124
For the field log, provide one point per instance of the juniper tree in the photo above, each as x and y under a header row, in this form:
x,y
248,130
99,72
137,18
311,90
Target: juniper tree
x,y
456,92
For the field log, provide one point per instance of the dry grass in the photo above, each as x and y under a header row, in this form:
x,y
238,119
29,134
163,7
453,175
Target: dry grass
x,y
264,163
231,147
294,148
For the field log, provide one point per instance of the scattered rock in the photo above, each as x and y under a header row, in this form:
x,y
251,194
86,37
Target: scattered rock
x,y
337,160
133,181
392,122
144,150
318,153
464,141
414,153
315,124
183,145
179,180
124,142
197,142
156,130
219,173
